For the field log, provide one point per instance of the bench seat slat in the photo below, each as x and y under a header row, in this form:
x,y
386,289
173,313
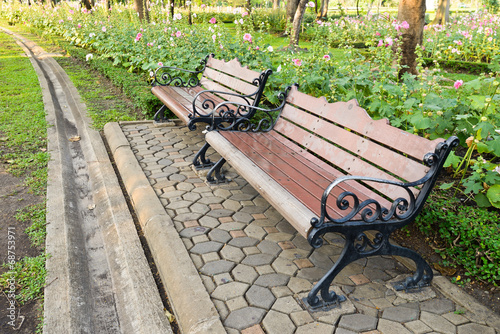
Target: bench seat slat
x,y
330,172
296,174
235,84
234,68
212,85
351,115
351,164
393,162
296,213
179,100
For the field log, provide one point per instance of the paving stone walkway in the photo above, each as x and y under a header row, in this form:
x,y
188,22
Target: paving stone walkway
x,y
257,268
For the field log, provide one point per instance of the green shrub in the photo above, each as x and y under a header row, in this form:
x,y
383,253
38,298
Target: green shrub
x,y
470,235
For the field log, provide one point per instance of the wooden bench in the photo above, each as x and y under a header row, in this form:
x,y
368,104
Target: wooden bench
x,y
192,95
329,167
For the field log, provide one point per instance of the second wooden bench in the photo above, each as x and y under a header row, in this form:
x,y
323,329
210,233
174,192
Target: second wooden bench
x,y
192,94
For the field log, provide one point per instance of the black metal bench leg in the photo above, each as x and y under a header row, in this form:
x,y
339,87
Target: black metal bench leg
x,y
328,297
419,279
216,169
160,114
200,161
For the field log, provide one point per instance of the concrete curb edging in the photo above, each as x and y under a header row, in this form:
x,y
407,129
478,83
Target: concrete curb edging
x,y
192,306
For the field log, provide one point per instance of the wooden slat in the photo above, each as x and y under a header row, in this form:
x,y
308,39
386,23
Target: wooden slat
x,y
288,206
351,164
301,177
350,115
233,83
318,163
234,68
212,85
391,161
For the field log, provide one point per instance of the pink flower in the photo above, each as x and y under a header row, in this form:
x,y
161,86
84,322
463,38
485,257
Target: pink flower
x,y
380,43
297,62
247,37
490,39
178,34
377,34
212,20
310,4
458,42
177,16
389,41
202,5
138,37
458,83
103,29
429,40
405,25
448,34
244,14
79,25
160,64
214,37
326,57
71,11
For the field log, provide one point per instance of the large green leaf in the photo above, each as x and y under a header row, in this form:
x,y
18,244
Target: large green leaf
x,y
493,195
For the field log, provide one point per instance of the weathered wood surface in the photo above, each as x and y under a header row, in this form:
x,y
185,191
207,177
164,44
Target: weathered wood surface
x,y
315,142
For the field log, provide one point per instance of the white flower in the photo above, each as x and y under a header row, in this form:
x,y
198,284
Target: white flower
x,y
91,35
89,56
151,73
270,48
188,3
310,4
194,14
278,69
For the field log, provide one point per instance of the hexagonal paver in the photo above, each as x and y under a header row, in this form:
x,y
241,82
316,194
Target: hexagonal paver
x,y
287,305
258,259
206,247
437,323
244,317
315,328
358,322
232,253
244,273
390,327
260,297
229,291
243,241
400,314
271,280
217,267
438,306
194,231
278,323
474,328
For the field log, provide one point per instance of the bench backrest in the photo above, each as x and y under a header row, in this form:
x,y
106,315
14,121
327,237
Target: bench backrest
x,y
231,77
343,134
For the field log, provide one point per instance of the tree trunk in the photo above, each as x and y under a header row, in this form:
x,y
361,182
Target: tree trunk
x,y
141,7
276,4
249,6
87,4
297,20
442,13
170,9
291,8
323,12
413,12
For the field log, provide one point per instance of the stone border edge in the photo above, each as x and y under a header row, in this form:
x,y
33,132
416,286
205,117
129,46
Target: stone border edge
x,y
193,308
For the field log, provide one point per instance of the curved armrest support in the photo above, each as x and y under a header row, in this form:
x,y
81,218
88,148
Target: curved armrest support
x,y
163,75
401,208
210,106
234,116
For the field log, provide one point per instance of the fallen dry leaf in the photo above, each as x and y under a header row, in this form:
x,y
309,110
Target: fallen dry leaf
x,y
74,138
170,316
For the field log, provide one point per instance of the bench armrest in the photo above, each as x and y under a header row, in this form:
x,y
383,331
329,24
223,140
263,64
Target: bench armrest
x,y
165,75
234,116
209,105
402,209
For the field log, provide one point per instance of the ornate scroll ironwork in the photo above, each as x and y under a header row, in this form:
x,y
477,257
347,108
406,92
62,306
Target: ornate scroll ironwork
x,y
164,76
371,215
246,118
207,112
